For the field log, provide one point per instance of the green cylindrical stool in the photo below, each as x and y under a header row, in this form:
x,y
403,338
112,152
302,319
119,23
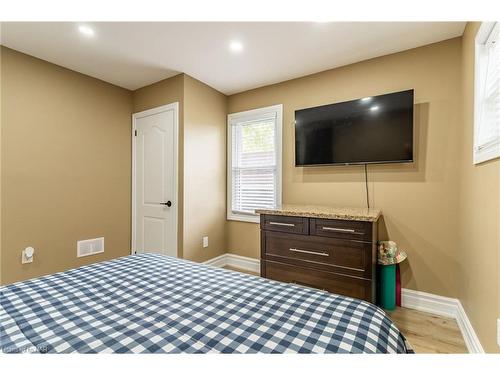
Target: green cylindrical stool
x,y
388,287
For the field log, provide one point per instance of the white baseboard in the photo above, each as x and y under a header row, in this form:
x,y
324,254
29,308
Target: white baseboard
x,y
219,261
412,299
443,306
470,337
245,263
429,303
238,261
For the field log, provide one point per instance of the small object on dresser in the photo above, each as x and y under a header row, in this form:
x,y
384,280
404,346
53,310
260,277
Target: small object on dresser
x,y
388,253
388,257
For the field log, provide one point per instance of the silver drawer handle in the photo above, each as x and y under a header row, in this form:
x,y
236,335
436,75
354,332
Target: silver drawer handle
x,y
282,224
309,252
339,229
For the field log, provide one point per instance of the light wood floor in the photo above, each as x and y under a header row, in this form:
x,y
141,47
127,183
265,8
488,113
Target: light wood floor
x,y
426,333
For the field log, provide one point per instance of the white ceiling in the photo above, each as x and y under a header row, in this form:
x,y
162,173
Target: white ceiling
x,y
135,54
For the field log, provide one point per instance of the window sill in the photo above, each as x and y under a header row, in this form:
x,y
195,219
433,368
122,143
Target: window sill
x,y
488,153
245,218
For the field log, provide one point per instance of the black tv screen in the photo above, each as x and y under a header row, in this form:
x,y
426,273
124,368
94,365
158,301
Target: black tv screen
x,y
376,129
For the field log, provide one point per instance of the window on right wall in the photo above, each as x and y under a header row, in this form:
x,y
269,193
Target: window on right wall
x,y
487,93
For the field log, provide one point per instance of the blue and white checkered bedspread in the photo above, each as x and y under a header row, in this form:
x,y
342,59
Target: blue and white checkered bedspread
x,y
151,303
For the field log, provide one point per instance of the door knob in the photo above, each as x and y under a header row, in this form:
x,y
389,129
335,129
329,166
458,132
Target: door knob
x,y
168,203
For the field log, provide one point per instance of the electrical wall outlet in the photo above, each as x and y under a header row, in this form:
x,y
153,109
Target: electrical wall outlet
x,y
205,241
27,255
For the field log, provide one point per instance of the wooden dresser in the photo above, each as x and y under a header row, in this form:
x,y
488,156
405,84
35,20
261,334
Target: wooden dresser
x,y
328,248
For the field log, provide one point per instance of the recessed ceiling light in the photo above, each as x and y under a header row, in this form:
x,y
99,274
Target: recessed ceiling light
x,y
374,108
86,30
367,99
236,46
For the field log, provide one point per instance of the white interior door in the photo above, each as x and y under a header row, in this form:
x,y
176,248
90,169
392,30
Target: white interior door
x,y
155,180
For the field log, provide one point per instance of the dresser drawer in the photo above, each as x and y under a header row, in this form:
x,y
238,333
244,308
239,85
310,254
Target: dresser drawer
x,y
331,254
331,282
357,230
285,224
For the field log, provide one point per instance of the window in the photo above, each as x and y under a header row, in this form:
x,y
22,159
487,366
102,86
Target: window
x,y
487,93
254,162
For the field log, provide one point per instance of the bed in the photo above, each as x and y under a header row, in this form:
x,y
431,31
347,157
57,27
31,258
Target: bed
x,y
151,303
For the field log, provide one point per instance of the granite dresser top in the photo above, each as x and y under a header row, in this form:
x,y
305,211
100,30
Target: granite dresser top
x,y
324,212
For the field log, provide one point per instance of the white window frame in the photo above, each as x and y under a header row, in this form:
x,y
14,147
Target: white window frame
x,y
491,150
254,114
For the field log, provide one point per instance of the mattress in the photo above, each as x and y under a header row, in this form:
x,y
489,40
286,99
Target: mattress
x,y
151,303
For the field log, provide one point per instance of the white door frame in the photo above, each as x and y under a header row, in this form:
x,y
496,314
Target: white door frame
x,y
175,205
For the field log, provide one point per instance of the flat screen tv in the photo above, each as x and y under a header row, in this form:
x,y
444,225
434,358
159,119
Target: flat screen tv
x,y
375,129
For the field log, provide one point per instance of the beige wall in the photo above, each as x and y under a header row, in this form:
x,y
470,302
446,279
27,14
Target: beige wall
x,y
204,170
65,163
168,91
420,200
202,158
479,226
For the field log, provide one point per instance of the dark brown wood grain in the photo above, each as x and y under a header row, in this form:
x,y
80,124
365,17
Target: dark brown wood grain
x,y
348,229
310,253
349,257
329,281
286,224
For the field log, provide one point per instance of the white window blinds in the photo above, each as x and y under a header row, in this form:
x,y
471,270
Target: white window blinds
x,y
487,93
255,162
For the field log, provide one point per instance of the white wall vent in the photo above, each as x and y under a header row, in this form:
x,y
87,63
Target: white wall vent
x,y
89,247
